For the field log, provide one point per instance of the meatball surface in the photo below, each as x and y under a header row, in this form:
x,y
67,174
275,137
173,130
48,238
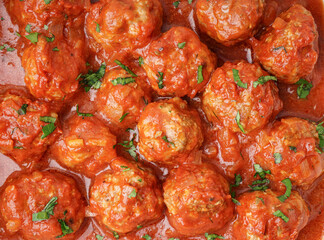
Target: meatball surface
x,y
45,63
197,199
169,132
229,21
23,125
256,219
235,98
121,98
287,49
29,194
178,64
126,197
86,146
124,24
289,150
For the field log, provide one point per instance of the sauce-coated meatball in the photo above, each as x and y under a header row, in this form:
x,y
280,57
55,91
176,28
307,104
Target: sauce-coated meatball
x,y
178,64
53,67
25,198
287,49
21,128
289,150
169,132
257,216
124,24
233,99
126,197
121,98
229,21
197,199
86,145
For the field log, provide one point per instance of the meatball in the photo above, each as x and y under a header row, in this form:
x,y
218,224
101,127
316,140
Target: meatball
x,y
121,98
287,49
124,24
262,216
289,150
197,199
126,197
229,21
178,64
169,132
42,206
27,128
47,75
86,146
241,97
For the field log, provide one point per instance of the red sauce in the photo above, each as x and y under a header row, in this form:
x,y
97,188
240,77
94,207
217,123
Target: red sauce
x,y
11,73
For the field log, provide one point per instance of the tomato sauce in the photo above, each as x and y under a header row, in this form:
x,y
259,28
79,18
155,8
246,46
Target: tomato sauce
x,y
11,73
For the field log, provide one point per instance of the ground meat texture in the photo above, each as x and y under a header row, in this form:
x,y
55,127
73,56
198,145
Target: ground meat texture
x,y
169,132
121,98
197,199
240,107
126,197
178,64
47,76
86,146
124,24
21,128
256,219
229,21
288,48
29,193
289,150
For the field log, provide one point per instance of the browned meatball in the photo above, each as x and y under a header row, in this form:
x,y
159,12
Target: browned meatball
x,y
27,128
126,197
47,75
262,216
124,24
289,150
197,199
178,64
288,48
169,132
241,97
229,21
121,98
42,206
86,146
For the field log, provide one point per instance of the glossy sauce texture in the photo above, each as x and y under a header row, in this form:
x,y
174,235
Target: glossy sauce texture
x,y
11,73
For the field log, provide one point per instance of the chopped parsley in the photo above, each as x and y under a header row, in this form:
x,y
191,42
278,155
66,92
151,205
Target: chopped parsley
x,y
213,236
33,37
125,168
132,194
141,61
22,110
238,180
147,237
97,27
99,237
181,45
238,122
64,227
200,76
47,119
80,114
277,157
45,27
116,235
5,46
139,226
48,1
122,81
49,128
189,1
46,212
304,88
281,47
261,199
28,28
261,184
173,239
320,131
160,80
259,171
288,185
18,147
237,79
292,148
125,68
131,149
236,202
280,214
167,141
50,39
262,80
55,49
176,4
123,117
92,79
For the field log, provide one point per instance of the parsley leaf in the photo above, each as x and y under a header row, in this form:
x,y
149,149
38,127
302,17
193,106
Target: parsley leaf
x,y
47,119
116,235
92,79
277,157
131,149
97,27
181,45
288,185
99,237
259,171
50,39
260,185
281,47
33,37
160,80
320,131
176,4
55,49
262,80
147,237
28,28
46,212
167,141
125,68
22,110
132,194
237,79
200,76
48,1
213,236
123,117
280,214
238,122
292,148
303,88
64,227
82,114
189,1
122,81
47,130
141,61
